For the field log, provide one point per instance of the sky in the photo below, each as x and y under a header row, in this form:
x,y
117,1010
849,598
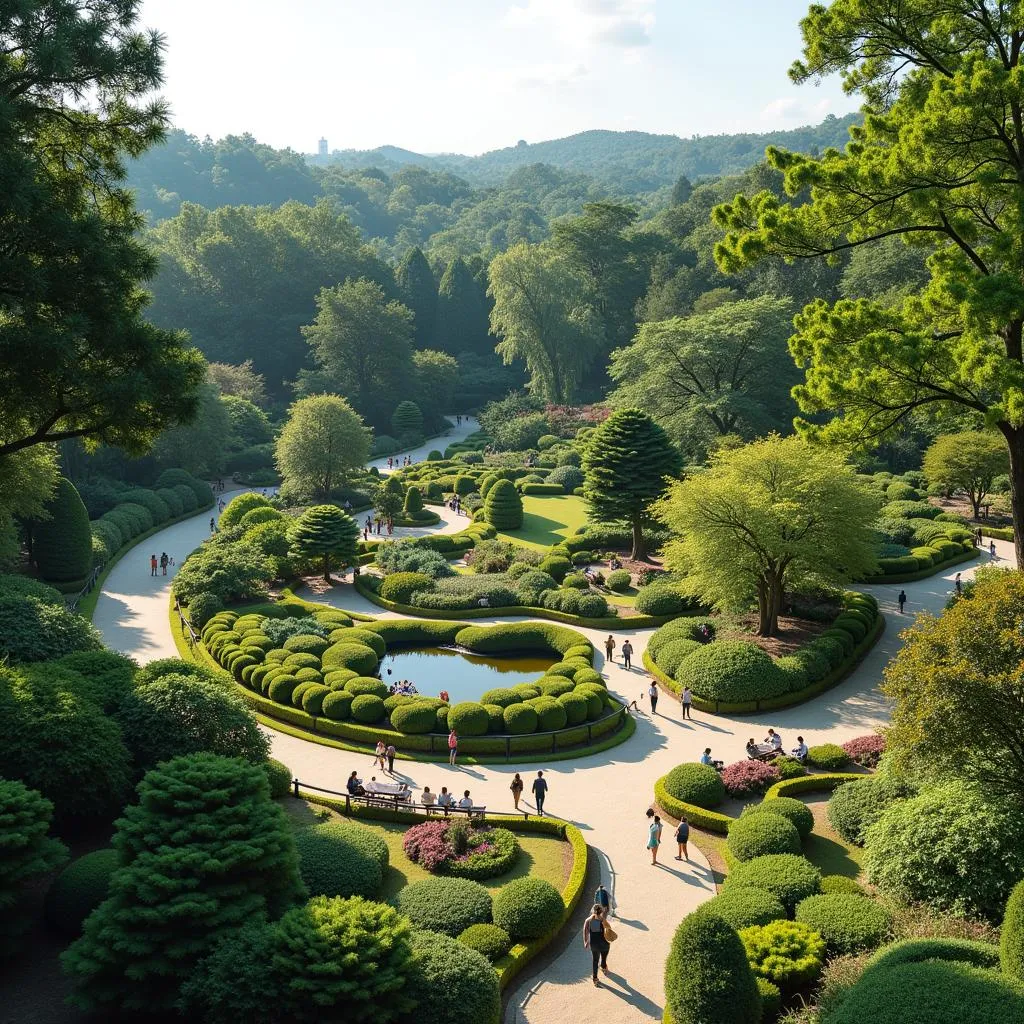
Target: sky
x,y
468,76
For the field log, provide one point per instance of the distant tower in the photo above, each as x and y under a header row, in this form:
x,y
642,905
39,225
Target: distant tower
x,y
322,147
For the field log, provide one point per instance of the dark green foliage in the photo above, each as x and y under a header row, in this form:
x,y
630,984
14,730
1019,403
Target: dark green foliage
x,y
176,715
279,777
78,890
62,544
503,506
731,670
755,835
446,905
202,823
202,608
104,677
171,666
848,923
338,859
328,534
31,630
697,784
489,939
626,460
232,572
414,718
407,420
795,811
451,983
742,906
787,876
528,908
856,805
468,718
707,977
1011,937
618,580
25,586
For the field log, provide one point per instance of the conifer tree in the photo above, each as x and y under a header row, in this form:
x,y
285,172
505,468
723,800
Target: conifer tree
x,y
419,292
326,532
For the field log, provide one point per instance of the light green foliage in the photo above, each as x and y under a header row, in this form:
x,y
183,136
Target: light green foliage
x,y
787,953
766,517
445,905
742,906
968,461
1011,935
528,908
626,462
848,923
322,442
326,533
239,506
755,835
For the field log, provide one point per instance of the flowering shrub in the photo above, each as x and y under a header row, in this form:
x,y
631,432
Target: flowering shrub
x,y
427,844
454,848
867,750
749,778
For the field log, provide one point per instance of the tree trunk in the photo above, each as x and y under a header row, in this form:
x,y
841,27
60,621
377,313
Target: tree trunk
x,y
639,547
764,609
327,568
1015,442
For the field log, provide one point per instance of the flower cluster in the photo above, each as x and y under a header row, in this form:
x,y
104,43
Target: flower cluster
x,y
867,750
749,778
427,844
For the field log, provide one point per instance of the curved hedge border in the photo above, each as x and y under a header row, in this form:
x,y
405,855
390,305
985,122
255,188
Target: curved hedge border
x,y
837,675
923,574
612,621
811,783
998,532
516,959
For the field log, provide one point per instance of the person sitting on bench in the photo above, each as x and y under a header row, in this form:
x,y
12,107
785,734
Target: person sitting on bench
x,y
355,785
706,758
445,799
800,750
426,797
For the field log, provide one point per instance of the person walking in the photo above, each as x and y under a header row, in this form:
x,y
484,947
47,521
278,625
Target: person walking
x,y
379,753
687,702
540,792
652,692
152,565
627,654
682,838
902,600
163,562
992,550
517,789
390,752
654,838
603,899
959,585
213,525
609,648
453,746
596,940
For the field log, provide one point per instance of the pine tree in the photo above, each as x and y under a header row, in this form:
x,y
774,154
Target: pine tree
x,y
327,532
419,292
462,314
626,462
407,420
203,852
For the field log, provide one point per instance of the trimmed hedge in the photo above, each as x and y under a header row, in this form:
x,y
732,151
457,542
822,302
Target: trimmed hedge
x,y
731,671
848,923
62,544
446,905
490,940
696,784
756,835
78,890
787,876
795,811
528,908
744,905
338,859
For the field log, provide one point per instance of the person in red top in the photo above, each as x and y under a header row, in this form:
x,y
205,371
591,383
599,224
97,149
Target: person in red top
x,y
453,746
152,565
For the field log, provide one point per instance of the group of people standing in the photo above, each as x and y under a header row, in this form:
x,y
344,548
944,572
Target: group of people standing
x,y
162,563
394,462
381,523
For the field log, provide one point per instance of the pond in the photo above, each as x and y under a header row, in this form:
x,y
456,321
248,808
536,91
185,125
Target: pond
x,y
465,676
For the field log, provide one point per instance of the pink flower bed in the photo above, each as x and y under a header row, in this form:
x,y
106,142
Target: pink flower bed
x,y
866,750
749,778
427,844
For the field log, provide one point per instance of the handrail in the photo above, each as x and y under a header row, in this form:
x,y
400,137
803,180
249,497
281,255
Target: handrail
x,y
90,582
191,636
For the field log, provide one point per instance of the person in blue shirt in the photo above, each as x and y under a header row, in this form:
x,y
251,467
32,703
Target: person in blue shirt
x,y
707,759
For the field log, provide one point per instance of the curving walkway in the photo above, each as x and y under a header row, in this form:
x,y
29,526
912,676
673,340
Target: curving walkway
x,y
457,433
605,794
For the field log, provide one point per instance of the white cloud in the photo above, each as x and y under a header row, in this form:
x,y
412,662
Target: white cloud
x,y
618,23
795,110
549,76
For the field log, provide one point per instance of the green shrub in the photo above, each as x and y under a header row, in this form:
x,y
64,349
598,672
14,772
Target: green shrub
x,y
356,656
731,670
671,655
771,999
337,705
279,776
451,983
368,638
31,630
618,581
341,860
528,908
659,600
313,699
841,884
307,643
552,716
62,543
787,953
366,684
857,804
367,708
795,811
503,506
78,890
400,586
742,906
203,607
519,719
789,768
697,784
414,718
755,835
103,677
445,905
707,976
847,923
237,507
1011,937
829,757
490,940
787,876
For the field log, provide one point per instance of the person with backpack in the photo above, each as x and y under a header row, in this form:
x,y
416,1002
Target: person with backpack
x,y
517,789
603,898
597,936
682,838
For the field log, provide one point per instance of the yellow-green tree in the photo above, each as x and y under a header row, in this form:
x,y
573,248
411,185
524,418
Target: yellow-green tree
x,y
968,461
767,517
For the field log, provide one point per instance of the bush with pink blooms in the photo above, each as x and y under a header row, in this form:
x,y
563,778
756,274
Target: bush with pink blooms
x,y
427,844
749,778
454,848
867,750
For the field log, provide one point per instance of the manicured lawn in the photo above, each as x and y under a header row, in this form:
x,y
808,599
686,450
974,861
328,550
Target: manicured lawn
x,y
548,519
540,856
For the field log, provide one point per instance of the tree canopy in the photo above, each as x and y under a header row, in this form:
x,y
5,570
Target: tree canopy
x,y
967,461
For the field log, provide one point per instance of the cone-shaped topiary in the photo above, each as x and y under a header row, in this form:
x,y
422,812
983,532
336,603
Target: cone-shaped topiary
x,y
625,461
62,544
707,977
413,502
1011,939
327,532
407,419
503,507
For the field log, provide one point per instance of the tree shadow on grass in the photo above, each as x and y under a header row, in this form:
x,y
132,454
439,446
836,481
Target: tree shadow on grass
x,y
829,856
539,530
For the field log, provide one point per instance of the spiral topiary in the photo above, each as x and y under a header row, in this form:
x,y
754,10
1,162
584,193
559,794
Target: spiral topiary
x,y
503,506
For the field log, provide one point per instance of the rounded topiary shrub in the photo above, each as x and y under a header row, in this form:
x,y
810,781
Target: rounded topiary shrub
x,y
366,684
341,860
731,671
202,608
366,708
451,983
848,923
697,784
576,708
1011,937
659,600
313,699
468,718
78,890
857,804
528,908
489,939
358,657
618,581
671,655
337,705
840,883
786,953
707,977
793,810
789,877
368,638
279,776
743,905
521,719
445,905
400,586
503,506
756,835
62,543
281,688
307,643
551,716
414,718
829,757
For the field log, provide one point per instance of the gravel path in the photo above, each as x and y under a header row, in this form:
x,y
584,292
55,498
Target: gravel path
x,y
604,794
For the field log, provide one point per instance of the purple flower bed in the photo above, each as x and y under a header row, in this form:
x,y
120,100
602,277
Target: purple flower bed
x,y
427,844
867,750
749,778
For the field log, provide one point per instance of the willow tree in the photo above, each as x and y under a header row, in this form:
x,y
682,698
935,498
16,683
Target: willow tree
x,y
939,163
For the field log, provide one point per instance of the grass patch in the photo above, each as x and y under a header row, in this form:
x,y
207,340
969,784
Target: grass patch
x,y
548,519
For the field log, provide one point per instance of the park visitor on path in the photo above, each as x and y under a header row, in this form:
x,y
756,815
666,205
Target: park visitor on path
x,y
163,562
453,746
517,789
609,648
390,751
654,838
603,899
152,565
540,792
902,600
682,838
379,753
687,702
595,940
652,692
627,654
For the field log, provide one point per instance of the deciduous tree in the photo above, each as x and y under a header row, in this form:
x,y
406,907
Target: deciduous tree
x,y
968,462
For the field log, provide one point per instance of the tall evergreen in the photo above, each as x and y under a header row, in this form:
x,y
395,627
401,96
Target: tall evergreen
x,y
462,315
419,292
